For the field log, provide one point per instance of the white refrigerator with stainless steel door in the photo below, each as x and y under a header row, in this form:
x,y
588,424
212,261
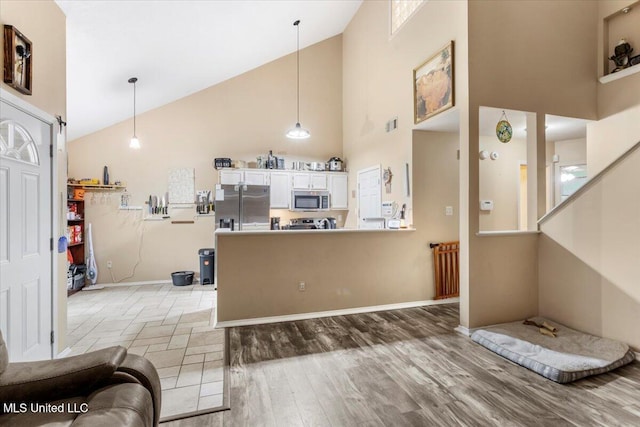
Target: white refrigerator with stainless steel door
x,y
242,207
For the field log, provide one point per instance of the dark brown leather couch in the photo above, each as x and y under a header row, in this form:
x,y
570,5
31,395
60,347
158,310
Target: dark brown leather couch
x,y
103,388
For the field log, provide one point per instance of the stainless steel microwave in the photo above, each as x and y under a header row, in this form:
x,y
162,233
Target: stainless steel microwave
x,y
303,200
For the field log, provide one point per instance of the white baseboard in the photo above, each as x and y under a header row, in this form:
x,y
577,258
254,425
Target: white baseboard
x,y
147,282
463,330
342,312
63,353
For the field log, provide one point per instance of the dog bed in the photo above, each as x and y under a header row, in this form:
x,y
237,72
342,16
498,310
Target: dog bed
x,y
569,356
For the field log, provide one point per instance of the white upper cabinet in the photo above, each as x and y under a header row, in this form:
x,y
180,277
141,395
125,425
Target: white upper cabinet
x,y
280,190
256,177
309,181
339,190
230,177
318,181
234,176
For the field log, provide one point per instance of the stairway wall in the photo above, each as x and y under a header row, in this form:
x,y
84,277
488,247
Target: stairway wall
x,y
589,257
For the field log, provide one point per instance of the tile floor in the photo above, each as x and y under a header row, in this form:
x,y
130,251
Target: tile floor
x,y
169,325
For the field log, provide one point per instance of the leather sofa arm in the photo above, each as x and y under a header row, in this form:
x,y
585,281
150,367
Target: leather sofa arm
x,y
142,370
70,376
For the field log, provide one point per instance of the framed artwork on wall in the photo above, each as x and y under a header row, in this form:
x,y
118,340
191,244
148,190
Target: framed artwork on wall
x,y
18,55
433,85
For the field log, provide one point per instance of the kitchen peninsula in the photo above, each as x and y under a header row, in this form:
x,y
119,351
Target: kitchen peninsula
x,y
278,275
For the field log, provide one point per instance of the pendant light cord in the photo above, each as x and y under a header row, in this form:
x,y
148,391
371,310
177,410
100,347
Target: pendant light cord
x,y
297,24
134,110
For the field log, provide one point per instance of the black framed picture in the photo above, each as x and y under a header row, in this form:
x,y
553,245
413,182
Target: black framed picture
x,y
18,56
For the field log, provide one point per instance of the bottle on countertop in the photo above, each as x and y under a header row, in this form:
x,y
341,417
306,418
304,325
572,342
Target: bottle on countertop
x,y
270,160
105,176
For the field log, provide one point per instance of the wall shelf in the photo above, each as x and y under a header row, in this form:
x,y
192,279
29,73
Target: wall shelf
x,y
98,187
620,74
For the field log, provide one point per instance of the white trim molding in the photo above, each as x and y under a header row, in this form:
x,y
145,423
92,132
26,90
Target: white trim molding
x,y
342,312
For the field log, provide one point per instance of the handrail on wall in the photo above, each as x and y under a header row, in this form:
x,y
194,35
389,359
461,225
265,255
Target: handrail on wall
x,y
590,182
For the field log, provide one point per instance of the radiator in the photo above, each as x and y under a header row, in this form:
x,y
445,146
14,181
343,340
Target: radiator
x,y
446,269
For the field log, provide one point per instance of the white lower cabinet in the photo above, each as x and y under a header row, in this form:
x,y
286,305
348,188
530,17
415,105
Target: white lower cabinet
x,y
280,190
338,187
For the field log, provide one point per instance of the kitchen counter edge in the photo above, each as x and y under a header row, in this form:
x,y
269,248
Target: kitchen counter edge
x,y
316,231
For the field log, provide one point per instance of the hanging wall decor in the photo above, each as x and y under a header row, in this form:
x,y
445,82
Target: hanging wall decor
x,y
17,60
504,131
433,85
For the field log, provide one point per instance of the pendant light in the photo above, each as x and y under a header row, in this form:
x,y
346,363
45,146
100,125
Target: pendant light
x,y
135,143
298,132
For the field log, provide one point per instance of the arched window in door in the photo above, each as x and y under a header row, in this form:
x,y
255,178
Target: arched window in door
x,y
16,143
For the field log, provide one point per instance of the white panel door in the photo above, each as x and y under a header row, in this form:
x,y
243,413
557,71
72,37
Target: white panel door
x,y
339,191
25,233
370,198
280,191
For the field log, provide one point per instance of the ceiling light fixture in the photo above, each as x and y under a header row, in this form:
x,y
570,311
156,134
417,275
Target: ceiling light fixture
x,y
298,132
135,143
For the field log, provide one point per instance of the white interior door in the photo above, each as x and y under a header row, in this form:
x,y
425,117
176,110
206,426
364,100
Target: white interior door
x,y
370,198
25,233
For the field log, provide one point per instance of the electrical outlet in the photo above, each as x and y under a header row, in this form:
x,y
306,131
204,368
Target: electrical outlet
x,y
448,210
301,286
109,264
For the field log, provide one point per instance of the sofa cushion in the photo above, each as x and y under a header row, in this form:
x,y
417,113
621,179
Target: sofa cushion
x,y
4,355
71,376
119,405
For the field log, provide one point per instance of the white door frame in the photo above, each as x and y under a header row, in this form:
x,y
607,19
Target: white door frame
x,y
47,118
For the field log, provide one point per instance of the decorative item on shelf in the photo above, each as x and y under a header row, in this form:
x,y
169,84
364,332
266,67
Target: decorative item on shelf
x,y
18,56
622,55
387,176
221,162
433,85
105,176
298,132
135,143
504,131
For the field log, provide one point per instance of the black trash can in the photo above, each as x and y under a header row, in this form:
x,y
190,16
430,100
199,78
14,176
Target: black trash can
x,y
206,265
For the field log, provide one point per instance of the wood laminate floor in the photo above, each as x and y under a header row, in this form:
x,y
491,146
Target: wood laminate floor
x,y
403,368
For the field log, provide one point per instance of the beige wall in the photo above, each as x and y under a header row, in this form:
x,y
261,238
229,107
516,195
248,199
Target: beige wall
x,y
44,24
618,95
611,136
589,257
435,187
588,252
377,82
377,85
258,275
500,182
525,79
240,118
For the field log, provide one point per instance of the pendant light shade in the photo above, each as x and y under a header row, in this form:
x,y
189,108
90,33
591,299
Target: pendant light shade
x,y
298,132
135,142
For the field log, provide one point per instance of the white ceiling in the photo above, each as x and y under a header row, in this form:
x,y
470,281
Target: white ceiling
x,y
179,47
176,48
